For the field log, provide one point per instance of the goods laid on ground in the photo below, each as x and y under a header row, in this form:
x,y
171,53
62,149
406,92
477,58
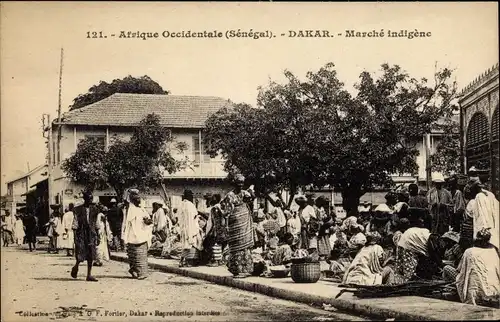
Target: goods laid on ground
x,y
279,271
415,288
305,267
306,272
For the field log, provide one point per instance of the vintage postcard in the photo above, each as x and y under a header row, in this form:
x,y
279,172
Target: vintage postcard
x,y
261,161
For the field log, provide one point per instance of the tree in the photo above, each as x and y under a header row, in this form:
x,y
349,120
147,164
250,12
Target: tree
x,y
142,161
129,84
446,159
315,132
86,165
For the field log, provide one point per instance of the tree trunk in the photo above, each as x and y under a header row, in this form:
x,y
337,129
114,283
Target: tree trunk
x,y
350,199
119,193
293,191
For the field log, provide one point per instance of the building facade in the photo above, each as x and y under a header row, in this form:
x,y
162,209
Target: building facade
x,y
479,125
18,188
115,117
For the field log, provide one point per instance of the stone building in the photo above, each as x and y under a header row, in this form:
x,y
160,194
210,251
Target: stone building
x,y
479,126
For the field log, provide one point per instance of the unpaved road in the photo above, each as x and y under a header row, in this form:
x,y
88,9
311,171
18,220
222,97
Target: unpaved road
x,y
40,284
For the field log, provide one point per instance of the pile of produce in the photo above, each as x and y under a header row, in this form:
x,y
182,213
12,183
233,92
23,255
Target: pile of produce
x,y
302,256
415,288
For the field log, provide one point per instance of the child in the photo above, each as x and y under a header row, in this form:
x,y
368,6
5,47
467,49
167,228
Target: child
x,y
281,255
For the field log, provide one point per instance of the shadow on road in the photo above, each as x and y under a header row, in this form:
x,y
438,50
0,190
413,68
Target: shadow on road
x,y
63,279
69,264
120,277
177,283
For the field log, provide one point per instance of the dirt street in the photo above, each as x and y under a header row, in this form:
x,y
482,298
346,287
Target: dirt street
x,y
37,287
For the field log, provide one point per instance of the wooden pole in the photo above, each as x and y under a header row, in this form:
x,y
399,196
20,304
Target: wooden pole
x,y
59,109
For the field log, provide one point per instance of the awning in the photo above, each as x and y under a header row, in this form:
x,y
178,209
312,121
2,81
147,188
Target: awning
x,y
27,193
39,182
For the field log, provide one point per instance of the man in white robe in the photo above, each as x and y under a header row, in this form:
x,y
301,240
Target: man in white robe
x,y
189,225
67,241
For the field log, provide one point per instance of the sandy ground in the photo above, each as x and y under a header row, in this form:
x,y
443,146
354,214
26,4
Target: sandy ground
x,y
40,284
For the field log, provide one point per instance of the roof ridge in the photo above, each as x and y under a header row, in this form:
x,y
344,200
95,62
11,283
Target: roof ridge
x,y
167,95
83,108
28,173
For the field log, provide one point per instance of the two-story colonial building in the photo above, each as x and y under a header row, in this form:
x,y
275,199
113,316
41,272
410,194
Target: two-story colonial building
x,y
115,117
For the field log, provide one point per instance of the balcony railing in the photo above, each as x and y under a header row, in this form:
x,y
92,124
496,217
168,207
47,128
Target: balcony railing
x,y
207,170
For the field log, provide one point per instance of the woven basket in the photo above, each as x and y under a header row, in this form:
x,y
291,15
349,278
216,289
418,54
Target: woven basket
x,y
306,272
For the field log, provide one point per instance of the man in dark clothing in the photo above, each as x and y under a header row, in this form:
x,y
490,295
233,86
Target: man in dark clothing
x,y
86,235
419,209
30,223
115,219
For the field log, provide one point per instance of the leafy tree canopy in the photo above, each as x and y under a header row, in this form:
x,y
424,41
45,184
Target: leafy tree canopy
x,y
446,159
139,162
313,131
129,84
86,165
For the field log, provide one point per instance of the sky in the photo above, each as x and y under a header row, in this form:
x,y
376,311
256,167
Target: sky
x,y
464,37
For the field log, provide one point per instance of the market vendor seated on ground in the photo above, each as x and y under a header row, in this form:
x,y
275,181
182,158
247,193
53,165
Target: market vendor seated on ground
x,y
420,255
477,276
366,268
282,254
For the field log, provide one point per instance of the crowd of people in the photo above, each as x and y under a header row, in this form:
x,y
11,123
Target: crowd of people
x,y
449,233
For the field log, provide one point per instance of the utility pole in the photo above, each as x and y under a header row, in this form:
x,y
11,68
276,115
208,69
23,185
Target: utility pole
x,y
59,108
50,162
428,165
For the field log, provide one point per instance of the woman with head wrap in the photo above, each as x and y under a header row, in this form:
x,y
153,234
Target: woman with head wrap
x,y
366,268
325,221
478,273
402,226
453,250
104,235
358,238
137,234
309,223
240,229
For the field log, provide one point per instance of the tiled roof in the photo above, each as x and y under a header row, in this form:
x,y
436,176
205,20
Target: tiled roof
x,y
27,174
129,109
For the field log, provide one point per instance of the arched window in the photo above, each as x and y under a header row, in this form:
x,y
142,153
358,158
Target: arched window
x,y
477,149
495,166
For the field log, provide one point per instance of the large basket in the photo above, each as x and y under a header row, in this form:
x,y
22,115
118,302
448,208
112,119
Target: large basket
x,y
306,272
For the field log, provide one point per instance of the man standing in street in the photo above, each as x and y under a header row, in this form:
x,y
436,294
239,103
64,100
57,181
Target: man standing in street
x,y
458,204
115,219
86,235
67,241
439,200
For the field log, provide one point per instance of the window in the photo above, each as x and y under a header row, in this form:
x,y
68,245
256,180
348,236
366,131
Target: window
x,y
206,155
101,139
196,150
54,146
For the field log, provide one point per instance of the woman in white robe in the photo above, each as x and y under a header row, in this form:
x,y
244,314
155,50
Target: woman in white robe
x,y
19,230
477,276
366,268
105,237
